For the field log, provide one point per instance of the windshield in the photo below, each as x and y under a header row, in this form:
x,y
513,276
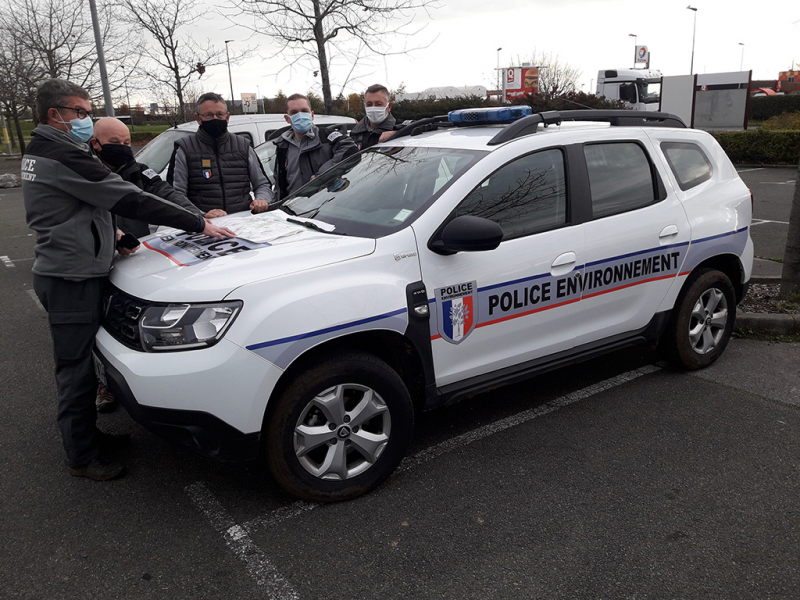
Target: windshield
x,y
157,153
382,189
649,90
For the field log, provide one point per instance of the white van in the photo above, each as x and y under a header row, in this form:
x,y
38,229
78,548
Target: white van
x,y
256,128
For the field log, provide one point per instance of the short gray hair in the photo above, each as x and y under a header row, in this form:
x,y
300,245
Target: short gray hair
x,y
210,96
53,93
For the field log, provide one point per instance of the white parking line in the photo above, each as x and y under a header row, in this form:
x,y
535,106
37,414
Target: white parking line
x,y
748,170
238,539
7,262
35,298
762,221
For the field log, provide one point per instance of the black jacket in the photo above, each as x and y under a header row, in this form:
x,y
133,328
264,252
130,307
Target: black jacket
x,y
364,137
148,180
326,148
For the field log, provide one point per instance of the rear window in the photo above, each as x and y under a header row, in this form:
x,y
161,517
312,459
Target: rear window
x,y
156,154
620,178
688,162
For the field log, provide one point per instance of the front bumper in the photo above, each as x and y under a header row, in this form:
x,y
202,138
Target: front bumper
x,y
211,400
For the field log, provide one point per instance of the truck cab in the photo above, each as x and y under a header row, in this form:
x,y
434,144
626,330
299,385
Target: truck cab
x,y
640,89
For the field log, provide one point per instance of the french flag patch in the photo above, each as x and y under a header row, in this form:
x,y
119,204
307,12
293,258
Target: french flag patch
x,y
456,314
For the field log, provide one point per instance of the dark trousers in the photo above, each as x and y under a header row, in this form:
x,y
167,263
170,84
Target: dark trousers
x,y
74,310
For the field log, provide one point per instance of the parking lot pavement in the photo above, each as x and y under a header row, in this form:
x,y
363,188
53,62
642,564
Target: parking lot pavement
x,y
772,189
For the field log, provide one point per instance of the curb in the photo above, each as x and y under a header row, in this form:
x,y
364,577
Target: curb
x,y
780,323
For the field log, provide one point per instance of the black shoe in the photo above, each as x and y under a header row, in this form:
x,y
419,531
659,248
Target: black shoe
x,y
108,443
100,469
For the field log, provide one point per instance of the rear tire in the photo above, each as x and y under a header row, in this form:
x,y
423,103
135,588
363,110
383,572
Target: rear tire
x,y
340,429
702,321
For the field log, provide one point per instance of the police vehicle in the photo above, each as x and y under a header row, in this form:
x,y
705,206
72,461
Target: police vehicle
x,y
469,251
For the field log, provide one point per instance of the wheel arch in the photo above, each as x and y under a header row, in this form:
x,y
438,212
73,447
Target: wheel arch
x,y
393,348
731,265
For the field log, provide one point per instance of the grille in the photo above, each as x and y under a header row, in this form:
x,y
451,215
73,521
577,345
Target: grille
x,y
122,316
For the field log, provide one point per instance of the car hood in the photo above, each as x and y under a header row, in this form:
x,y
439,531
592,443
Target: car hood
x,y
176,266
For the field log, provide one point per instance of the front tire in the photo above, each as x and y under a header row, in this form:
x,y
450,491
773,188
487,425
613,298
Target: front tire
x,y
702,321
339,429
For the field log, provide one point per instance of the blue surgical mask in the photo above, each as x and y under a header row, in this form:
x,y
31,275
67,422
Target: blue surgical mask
x,y
301,122
82,129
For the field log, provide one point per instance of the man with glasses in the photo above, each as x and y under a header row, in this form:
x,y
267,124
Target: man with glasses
x,y
217,169
70,199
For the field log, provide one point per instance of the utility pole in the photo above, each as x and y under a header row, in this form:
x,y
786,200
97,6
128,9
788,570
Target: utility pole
x,y
128,96
6,139
101,60
230,78
694,28
498,74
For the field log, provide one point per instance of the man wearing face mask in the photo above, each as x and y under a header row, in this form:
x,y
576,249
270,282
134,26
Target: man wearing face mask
x,y
216,169
306,150
112,144
378,125
70,199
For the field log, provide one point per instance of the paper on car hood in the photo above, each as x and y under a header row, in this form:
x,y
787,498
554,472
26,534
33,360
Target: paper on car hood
x,y
180,266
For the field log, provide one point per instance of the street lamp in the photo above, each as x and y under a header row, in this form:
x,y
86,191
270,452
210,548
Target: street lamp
x,y
741,64
128,96
694,28
498,72
230,78
635,48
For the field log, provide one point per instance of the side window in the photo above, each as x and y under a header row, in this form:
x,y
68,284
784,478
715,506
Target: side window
x,y
688,162
524,196
246,135
620,178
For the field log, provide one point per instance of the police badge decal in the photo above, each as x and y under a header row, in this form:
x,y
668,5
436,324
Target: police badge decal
x,y
455,311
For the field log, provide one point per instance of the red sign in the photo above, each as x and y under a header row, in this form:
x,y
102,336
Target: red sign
x,y
521,81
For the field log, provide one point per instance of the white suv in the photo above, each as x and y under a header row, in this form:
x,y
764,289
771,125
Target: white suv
x,y
465,253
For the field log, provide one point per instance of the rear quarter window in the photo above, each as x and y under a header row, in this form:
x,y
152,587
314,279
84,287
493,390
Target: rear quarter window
x,y
688,162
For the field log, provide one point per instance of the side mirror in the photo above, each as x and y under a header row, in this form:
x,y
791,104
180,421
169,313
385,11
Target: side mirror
x,y
467,234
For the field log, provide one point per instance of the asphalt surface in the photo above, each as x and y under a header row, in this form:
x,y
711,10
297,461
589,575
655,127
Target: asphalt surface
x,y
617,478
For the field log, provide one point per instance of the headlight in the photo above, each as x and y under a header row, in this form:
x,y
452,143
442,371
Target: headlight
x,y
185,326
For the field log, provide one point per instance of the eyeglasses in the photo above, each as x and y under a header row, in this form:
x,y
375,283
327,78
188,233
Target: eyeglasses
x,y
209,116
82,114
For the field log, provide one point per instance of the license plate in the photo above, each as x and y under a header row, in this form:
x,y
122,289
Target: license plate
x,y
99,369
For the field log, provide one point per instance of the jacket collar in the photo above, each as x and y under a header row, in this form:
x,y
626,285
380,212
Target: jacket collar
x,y
363,125
312,135
61,137
208,140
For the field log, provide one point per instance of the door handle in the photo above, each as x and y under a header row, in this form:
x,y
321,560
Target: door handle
x,y
668,231
568,258
563,263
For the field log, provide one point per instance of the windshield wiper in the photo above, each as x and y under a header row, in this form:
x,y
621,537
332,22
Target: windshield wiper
x,y
316,210
311,225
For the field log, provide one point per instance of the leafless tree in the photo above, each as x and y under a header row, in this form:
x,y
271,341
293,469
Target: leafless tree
x,y
177,58
18,76
326,30
790,276
59,38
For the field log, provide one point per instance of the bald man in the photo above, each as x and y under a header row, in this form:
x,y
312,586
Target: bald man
x,y
112,144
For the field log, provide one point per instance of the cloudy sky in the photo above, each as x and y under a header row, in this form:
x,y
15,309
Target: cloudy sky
x,y
462,37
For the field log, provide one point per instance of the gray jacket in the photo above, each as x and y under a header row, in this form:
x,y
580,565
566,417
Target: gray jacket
x,y
69,197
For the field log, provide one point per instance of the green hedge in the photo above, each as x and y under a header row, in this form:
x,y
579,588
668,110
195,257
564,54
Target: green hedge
x,y
764,107
142,137
761,146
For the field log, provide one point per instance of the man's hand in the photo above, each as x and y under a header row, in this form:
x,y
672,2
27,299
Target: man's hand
x,y
259,206
386,135
216,231
125,252
215,212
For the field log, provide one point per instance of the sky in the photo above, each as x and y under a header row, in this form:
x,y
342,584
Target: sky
x,y
457,44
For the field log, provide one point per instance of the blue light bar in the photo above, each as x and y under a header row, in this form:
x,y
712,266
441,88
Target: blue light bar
x,y
483,116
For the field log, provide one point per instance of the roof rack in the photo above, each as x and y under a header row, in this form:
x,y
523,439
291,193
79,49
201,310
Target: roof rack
x,y
617,118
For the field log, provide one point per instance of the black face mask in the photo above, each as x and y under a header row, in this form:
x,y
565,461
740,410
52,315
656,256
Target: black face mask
x,y
214,127
115,155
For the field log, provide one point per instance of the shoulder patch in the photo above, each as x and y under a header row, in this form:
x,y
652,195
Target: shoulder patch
x,y
149,173
334,136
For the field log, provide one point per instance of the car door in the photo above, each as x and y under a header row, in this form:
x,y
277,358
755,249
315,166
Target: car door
x,y
636,237
499,308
